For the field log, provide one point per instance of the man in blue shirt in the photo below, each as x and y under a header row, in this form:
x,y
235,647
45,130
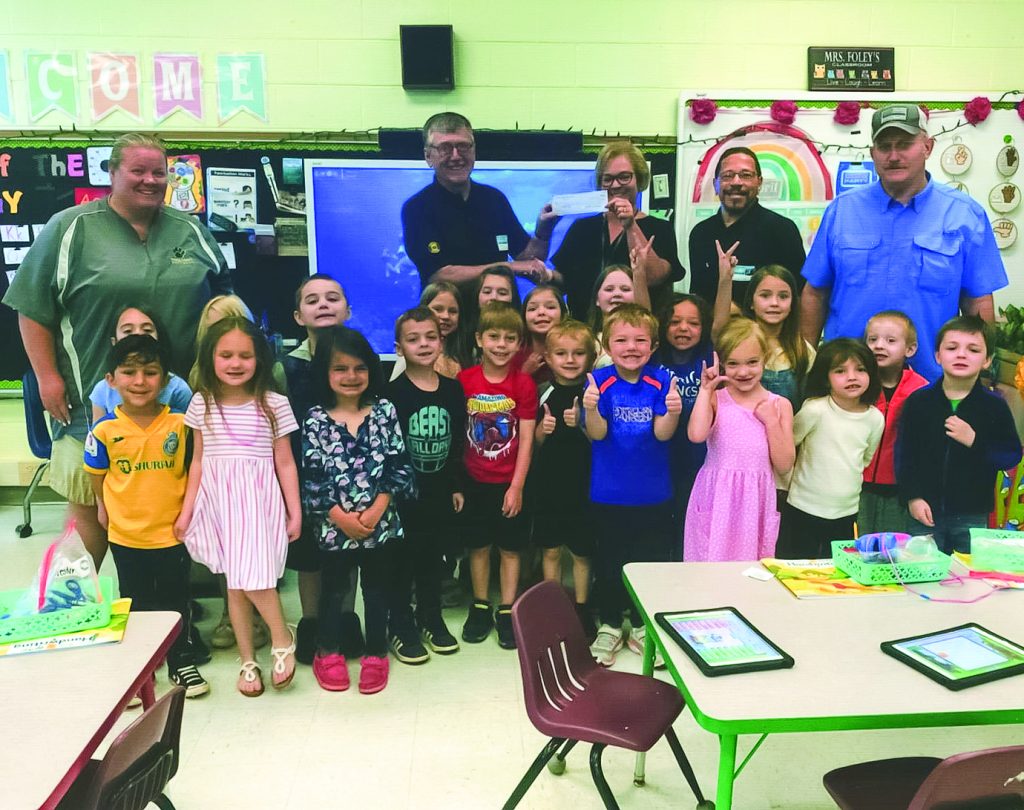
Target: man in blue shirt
x,y
906,242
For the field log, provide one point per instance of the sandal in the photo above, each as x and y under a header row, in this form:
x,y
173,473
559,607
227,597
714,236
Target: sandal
x,y
251,673
280,656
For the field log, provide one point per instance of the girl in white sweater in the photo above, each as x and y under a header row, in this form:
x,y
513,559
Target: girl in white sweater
x,y
836,434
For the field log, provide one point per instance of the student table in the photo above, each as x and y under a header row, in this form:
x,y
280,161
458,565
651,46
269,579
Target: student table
x,y
835,643
59,706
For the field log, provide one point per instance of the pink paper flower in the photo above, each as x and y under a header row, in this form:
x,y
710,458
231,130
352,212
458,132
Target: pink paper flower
x,y
783,111
847,113
926,111
703,110
977,110
1020,110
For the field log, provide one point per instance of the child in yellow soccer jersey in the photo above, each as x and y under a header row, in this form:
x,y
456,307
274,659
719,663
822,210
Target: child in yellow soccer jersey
x,y
137,459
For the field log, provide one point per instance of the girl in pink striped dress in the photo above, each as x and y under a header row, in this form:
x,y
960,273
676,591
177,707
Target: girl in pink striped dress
x,y
242,504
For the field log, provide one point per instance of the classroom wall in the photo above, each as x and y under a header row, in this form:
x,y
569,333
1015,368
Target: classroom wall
x,y
604,64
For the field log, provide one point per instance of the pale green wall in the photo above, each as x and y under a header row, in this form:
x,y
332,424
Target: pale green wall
x,y
334,64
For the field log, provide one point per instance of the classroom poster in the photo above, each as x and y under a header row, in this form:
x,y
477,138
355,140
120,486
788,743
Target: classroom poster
x,y
231,194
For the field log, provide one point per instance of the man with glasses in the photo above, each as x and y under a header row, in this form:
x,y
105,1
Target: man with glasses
x,y
764,236
454,228
905,243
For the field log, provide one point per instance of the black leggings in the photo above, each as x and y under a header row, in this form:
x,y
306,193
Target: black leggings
x,y
417,560
157,579
626,534
376,572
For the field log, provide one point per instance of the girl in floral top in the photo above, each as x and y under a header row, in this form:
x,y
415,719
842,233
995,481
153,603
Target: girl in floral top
x,y
355,464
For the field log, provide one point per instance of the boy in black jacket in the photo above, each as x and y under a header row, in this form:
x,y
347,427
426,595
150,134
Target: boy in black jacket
x,y
954,438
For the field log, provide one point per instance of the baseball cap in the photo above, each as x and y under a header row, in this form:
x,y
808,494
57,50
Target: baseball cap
x,y
908,117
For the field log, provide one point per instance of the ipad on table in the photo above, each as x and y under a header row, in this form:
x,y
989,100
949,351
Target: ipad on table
x,y
960,656
720,641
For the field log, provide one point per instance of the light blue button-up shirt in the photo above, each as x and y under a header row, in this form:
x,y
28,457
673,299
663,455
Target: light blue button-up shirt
x,y
920,258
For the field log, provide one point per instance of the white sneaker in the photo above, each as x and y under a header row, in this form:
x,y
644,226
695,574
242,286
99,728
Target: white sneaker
x,y
607,643
637,636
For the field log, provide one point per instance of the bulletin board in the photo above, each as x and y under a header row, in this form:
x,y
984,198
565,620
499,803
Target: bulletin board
x,y
805,163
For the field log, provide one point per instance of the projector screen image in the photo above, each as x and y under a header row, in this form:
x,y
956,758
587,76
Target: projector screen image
x,y
355,227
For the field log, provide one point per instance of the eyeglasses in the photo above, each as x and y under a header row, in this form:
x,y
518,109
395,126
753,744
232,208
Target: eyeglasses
x,y
746,177
622,178
446,150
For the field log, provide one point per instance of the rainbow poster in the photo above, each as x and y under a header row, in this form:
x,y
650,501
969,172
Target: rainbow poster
x,y
792,169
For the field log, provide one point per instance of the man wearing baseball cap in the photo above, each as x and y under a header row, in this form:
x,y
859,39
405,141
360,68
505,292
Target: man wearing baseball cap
x,y
906,242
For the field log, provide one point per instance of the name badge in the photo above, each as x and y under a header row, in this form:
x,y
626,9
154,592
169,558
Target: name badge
x,y
502,240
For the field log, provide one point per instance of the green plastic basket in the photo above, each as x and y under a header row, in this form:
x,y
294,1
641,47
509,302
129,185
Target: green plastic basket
x,y
933,569
57,622
997,550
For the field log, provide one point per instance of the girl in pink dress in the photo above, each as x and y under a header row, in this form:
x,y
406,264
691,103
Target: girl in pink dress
x,y
242,503
733,513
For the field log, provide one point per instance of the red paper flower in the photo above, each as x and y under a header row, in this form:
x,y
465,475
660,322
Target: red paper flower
x,y
783,111
926,111
977,110
703,110
1020,110
847,113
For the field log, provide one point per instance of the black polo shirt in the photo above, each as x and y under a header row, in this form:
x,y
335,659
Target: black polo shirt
x,y
765,238
440,228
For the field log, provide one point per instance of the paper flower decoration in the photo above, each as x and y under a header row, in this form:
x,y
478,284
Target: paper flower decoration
x,y
703,110
977,110
847,113
1020,110
783,111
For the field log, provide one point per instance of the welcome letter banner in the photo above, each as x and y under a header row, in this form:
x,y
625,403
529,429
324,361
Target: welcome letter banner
x,y
177,84
241,85
51,82
114,84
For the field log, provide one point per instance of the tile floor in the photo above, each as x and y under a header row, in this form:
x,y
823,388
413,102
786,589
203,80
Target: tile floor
x,y
451,734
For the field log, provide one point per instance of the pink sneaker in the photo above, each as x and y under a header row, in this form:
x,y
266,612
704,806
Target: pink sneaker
x,y
331,672
373,674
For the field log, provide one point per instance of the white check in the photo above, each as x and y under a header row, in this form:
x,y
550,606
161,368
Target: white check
x,y
586,202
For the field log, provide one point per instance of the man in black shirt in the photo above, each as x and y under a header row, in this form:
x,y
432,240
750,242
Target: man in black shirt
x,y
454,228
764,236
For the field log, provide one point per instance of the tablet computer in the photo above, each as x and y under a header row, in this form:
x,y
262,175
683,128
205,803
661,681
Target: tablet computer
x,y
959,657
721,642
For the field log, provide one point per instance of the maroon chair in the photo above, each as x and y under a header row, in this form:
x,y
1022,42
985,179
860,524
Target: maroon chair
x,y
990,779
571,699
137,766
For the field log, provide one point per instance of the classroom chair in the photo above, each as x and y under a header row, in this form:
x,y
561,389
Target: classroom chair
x,y
570,698
988,779
137,766
38,439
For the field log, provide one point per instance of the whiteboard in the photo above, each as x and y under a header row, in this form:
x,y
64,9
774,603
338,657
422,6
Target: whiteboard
x,y
800,176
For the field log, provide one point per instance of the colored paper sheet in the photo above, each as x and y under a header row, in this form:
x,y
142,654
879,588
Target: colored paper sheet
x,y
51,82
812,579
177,85
241,85
114,84
6,111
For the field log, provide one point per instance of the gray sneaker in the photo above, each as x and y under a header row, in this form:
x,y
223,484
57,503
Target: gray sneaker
x,y
607,643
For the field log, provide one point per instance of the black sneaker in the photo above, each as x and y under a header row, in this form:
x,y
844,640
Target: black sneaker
x,y
503,622
409,650
437,637
189,677
478,623
305,641
200,652
352,644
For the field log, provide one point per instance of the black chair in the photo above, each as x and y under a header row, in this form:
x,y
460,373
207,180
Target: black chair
x,y
38,430
571,699
138,765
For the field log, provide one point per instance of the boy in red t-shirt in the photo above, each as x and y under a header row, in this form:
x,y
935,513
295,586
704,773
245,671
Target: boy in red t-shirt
x,y
892,338
501,411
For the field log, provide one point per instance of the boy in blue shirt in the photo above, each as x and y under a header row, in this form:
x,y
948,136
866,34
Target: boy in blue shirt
x,y
632,411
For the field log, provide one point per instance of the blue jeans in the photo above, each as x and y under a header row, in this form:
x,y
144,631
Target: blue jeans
x,y
952,532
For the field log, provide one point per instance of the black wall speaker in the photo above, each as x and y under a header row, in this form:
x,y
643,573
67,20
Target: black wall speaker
x,y
428,61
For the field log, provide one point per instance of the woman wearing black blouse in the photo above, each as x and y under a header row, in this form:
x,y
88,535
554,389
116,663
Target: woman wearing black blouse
x,y
594,242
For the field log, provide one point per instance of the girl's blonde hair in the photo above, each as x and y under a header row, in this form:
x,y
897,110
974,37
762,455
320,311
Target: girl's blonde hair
x,y
262,381
227,306
737,331
456,345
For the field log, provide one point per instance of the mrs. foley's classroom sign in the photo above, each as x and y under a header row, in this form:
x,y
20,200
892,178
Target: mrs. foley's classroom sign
x,y
851,69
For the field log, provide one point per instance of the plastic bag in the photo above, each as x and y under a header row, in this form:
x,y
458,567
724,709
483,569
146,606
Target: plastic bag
x,y
66,577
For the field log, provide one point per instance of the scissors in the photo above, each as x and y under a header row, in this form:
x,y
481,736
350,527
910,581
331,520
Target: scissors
x,y
58,599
